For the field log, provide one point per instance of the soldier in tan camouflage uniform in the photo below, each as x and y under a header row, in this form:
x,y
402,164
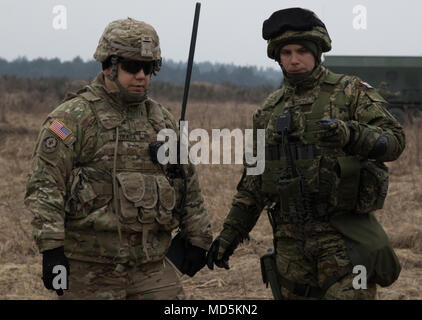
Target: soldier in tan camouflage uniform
x,y
327,136
102,208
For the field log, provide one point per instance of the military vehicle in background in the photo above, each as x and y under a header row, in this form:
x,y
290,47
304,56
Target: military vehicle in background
x,y
398,80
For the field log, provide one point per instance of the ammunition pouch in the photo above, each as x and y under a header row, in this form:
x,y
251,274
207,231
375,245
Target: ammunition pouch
x,y
277,181
142,198
146,199
344,183
289,191
299,151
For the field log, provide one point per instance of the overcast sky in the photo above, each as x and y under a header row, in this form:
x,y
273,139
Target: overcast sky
x,y
229,30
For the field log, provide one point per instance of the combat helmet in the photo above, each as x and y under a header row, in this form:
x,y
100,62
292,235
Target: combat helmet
x,y
294,24
129,39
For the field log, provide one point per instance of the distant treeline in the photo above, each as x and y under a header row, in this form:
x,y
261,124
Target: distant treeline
x,y
42,94
171,72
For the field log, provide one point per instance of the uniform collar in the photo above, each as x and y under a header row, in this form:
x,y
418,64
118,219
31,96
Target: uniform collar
x,y
308,82
113,96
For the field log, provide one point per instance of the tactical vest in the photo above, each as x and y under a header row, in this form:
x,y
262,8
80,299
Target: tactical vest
x,y
120,188
330,178
347,186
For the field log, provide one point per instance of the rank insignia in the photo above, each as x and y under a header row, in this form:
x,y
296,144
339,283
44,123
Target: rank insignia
x,y
60,129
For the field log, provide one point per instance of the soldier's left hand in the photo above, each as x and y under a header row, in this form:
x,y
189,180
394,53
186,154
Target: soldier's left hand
x,y
52,258
334,134
218,255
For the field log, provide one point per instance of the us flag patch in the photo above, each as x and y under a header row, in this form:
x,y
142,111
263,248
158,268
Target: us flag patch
x,y
60,129
366,84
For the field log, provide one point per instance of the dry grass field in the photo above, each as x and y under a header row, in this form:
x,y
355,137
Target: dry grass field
x,y
20,262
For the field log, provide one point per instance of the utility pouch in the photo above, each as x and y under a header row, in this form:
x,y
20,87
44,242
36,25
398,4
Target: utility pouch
x,y
373,186
347,186
368,245
269,273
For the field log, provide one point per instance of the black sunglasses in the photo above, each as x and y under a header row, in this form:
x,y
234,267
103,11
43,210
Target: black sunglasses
x,y
133,66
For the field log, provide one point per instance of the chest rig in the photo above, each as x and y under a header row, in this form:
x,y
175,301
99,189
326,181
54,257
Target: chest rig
x,y
122,171
317,169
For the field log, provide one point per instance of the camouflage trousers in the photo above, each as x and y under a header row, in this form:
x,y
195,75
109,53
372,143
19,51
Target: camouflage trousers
x,y
150,281
317,256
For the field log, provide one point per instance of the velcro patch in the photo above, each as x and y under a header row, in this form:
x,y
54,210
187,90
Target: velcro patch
x,y
60,129
49,144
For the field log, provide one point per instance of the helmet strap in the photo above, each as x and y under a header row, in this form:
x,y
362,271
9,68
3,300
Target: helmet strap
x,y
126,97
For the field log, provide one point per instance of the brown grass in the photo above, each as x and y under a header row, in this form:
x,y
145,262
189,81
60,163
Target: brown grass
x,y
20,263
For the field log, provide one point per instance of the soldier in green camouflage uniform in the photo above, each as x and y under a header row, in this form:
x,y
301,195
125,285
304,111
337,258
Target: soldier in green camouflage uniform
x,y
324,173
101,205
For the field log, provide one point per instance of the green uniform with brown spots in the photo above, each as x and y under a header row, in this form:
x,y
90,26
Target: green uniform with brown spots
x,y
324,218
87,141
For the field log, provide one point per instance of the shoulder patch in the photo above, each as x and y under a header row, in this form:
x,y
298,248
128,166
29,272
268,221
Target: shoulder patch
x,y
49,144
375,96
365,84
60,129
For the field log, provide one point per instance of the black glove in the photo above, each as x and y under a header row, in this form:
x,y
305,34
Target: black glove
x,y
194,260
213,255
52,258
335,133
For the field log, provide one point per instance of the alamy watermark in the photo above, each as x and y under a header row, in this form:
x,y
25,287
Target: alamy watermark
x,y
60,281
199,152
60,17
360,20
360,281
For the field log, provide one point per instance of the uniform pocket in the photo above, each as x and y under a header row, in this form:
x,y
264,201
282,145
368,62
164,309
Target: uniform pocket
x,y
81,195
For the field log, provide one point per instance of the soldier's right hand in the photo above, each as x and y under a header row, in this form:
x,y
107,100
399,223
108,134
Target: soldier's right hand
x,y
52,258
218,255
334,134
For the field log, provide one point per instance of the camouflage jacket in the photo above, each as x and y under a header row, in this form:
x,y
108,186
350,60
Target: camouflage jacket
x,y
322,95
71,191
